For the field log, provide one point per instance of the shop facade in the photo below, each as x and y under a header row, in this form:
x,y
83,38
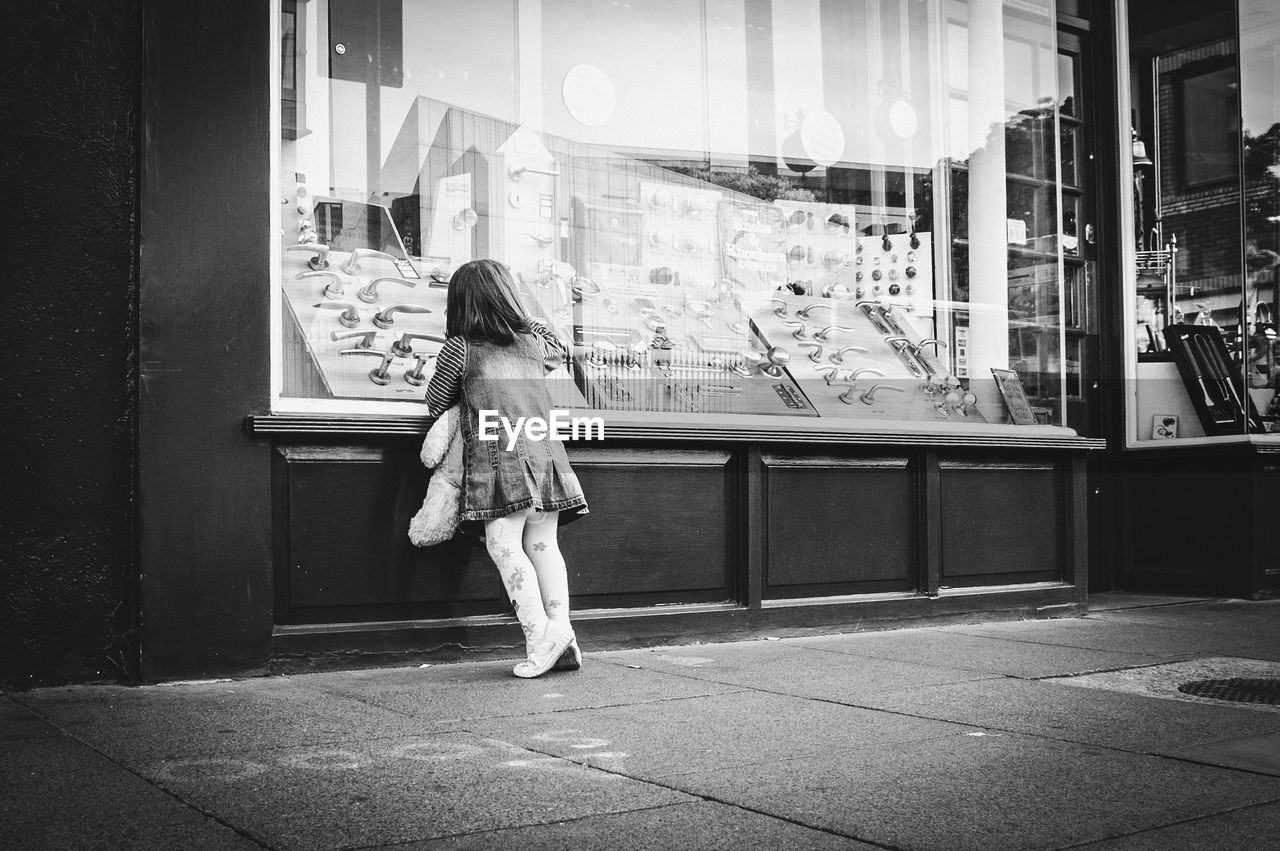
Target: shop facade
x,y
857,290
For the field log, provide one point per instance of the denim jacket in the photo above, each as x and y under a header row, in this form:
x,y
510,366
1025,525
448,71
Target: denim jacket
x,y
511,381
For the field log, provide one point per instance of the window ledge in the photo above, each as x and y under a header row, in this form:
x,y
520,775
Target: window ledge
x,y
751,429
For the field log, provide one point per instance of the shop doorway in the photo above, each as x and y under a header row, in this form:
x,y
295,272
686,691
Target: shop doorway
x,y
1077,87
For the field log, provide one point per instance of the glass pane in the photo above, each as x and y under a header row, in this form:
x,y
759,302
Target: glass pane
x,y
1069,139
1191,330
1068,90
725,208
1260,108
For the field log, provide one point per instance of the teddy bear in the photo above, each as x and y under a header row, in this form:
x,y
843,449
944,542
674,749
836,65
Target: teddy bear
x,y
437,519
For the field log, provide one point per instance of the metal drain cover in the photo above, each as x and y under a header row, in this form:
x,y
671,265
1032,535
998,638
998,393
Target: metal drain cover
x,y
1264,690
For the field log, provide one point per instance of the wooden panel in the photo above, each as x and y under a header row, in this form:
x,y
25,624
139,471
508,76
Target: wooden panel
x,y
348,510
1185,526
343,511
840,525
662,527
1002,521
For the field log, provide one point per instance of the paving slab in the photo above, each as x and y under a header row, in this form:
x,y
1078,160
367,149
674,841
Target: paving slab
x,y
977,653
1255,651
448,696
654,741
1114,600
1109,634
1251,753
1248,827
1238,624
1163,680
704,825
59,793
18,722
981,791
136,725
1131,722
397,790
787,667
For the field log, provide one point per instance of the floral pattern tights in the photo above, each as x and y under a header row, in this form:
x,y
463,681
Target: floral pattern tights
x,y
524,548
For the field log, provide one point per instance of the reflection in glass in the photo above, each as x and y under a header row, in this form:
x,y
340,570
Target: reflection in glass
x,y
726,208
1260,110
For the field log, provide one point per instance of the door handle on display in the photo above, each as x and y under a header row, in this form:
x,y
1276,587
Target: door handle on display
x,y
800,332
827,332
777,357
864,370
828,373
931,342
366,337
415,376
517,171
803,312
816,354
781,309
333,289
838,355
319,249
385,318
403,346
871,309
847,396
381,374
369,292
352,264
542,241
349,318
870,396
907,353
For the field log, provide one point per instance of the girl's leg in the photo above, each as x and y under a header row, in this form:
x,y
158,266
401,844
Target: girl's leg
x,y
543,549
503,540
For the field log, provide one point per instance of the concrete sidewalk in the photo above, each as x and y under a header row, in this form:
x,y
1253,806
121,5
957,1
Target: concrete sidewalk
x,y
1029,734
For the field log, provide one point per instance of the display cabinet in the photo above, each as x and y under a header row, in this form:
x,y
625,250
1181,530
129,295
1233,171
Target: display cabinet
x,y
695,269
789,253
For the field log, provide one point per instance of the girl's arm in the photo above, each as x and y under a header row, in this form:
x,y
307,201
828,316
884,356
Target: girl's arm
x,y
554,350
446,382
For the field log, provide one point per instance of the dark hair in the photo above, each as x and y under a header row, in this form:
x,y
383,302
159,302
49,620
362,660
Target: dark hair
x,y
482,304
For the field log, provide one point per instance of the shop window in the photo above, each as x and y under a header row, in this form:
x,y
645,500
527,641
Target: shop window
x,y
1205,347
798,215
1209,124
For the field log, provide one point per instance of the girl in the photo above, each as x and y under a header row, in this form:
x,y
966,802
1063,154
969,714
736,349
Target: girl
x,y
495,358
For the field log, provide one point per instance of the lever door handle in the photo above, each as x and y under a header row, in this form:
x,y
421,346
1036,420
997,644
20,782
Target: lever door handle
x,y
369,292
386,318
517,171
352,264
319,249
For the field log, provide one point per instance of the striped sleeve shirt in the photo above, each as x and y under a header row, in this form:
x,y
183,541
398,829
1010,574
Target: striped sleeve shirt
x,y
446,383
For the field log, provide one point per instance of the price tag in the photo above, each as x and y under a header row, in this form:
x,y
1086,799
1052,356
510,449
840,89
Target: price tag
x,y
1017,231
406,270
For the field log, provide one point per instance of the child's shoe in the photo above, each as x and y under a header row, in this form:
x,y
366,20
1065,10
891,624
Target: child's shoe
x,y
571,658
547,651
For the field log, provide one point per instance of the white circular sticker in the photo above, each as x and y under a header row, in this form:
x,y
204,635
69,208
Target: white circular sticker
x,y
902,119
588,95
822,138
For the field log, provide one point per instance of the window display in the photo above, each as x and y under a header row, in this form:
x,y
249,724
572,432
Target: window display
x,y
844,213
1205,340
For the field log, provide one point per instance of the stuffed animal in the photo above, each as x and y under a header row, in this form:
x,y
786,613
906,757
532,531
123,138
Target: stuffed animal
x,y
437,519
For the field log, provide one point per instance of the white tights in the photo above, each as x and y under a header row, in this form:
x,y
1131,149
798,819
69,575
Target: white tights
x,y
524,548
